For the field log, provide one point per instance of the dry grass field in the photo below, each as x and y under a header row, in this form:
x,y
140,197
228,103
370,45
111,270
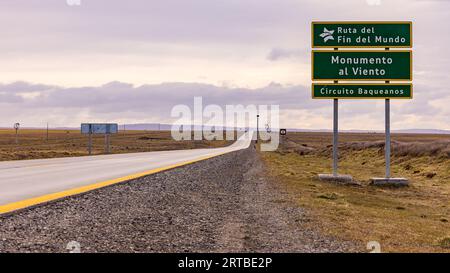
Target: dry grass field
x,y
33,144
412,219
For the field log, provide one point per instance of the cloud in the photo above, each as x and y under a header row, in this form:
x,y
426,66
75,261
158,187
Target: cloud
x,y
24,87
9,98
280,53
122,97
123,102
126,103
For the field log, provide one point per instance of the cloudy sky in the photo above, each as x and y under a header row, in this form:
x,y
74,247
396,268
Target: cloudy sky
x,y
132,61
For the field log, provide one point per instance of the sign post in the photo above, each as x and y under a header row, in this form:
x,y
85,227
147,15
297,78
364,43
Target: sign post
x,y
362,65
283,133
335,133
388,137
47,132
90,143
99,128
107,142
335,136
257,128
387,145
16,127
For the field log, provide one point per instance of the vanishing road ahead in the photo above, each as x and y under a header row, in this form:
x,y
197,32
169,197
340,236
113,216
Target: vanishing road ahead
x,y
29,182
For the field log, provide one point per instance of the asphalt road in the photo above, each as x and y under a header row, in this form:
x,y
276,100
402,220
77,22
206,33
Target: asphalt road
x,y
21,180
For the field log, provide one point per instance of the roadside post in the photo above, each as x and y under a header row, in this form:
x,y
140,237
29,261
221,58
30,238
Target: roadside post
x,y
16,127
335,133
335,136
283,133
107,143
99,128
387,123
344,66
47,133
257,128
90,143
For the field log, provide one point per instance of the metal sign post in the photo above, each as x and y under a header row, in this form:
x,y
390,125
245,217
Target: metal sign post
x,y
257,128
387,145
283,133
107,143
388,138
90,144
99,128
335,133
16,127
388,180
335,136
47,132
361,65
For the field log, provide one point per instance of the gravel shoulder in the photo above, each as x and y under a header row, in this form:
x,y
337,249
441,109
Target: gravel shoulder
x,y
224,204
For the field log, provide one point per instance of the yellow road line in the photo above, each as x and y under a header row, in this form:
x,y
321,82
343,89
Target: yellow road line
x,y
58,195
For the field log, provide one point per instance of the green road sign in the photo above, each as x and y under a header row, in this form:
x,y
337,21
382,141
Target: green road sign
x,y
362,65
361,34
361,91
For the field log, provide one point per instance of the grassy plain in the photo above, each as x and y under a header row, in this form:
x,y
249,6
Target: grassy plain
x,y
412,219
33,144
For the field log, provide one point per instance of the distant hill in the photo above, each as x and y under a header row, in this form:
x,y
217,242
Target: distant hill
x,y
168,127
419,131
404,131
145,126
424,131
164,127
157,126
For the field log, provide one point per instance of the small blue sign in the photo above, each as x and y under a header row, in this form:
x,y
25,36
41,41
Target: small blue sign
x,y
99,128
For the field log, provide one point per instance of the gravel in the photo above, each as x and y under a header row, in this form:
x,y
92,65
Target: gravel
x,y
224,204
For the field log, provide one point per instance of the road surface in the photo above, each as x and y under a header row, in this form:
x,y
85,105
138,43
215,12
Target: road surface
x,y
30,182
